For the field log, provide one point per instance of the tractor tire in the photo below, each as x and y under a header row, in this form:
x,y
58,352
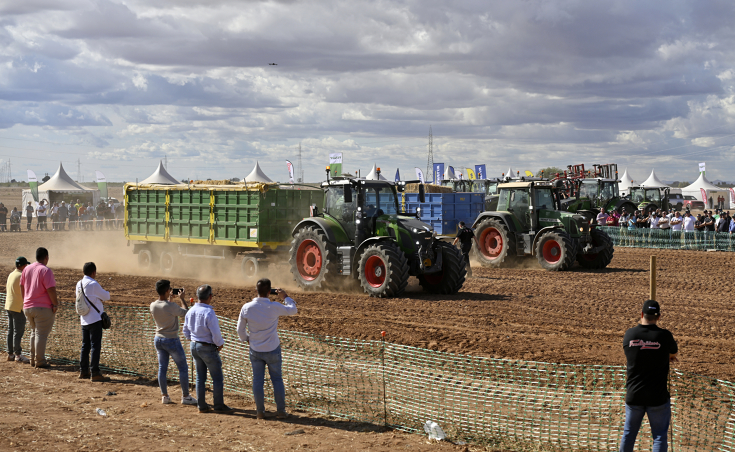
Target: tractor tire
x,y
601,259
452,275
494,246
249,267
145,260
383,270
556,251
169,262
313,259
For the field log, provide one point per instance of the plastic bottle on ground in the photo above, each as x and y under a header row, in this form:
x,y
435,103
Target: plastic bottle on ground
x,y
101,412
434,431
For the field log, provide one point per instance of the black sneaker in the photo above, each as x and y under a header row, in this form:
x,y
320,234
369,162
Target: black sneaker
x,y
224,410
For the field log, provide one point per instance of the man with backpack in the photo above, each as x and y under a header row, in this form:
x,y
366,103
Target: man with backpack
x,y
90,292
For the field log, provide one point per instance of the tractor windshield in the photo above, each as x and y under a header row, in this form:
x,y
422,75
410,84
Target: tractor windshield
x,y
636,195
380,200
543,199
588,189
610,190
335,204
653,194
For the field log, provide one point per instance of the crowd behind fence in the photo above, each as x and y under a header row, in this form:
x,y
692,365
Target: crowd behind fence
x,y
670,239
508,403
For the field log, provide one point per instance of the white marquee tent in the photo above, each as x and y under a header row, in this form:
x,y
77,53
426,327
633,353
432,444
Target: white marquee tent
x,y
257,175
373,175
625,183
160,176
706,191
59,188
653,181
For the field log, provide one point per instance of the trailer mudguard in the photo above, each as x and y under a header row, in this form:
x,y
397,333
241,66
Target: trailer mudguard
x,y
505,217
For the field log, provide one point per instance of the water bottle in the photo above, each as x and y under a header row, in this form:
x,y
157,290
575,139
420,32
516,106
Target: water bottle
x,y
101,412
434,431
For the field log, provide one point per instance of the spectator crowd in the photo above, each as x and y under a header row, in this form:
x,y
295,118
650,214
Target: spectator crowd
x,y
61,216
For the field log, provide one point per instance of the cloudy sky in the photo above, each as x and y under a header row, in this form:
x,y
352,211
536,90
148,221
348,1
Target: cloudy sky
x,y
119,85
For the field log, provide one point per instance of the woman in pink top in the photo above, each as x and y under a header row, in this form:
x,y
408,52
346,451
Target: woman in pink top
x,y
38,287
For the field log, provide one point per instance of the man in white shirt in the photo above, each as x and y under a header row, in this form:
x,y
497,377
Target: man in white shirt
x,y
92,323
260,318
41,211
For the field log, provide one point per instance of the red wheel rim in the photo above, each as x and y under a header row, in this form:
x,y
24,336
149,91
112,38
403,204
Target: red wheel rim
x,y
551,251
375,271
491,243
309,260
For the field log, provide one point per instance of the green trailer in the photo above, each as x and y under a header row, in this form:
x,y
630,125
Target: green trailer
x,y
171,224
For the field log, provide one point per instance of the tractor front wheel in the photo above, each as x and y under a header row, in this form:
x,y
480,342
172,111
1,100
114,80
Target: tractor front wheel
x,y
494,246
383,270
451,277
602,258
313,259
556,251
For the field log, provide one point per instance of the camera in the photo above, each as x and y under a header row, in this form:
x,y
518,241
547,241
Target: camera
x,y
176,291
274,291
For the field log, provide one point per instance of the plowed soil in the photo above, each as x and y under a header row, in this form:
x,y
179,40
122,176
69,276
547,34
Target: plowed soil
x,y
577,316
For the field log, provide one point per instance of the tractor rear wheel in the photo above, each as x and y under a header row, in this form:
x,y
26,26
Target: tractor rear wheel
x,y
494,246
249,267
383,270
556,251
602,258
452,275
313,259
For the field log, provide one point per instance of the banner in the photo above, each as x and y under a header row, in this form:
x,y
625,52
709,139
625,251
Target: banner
x,y
701,167
470,174
335,164
732,198
529,174
438,173
420,175
289,166
480,171
101,184
459,175
33,183
704,196
398,175
449,173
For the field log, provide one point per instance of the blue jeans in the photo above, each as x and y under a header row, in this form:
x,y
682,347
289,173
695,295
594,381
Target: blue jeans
x,y
16,328
207,357
172,347
91,342
659,418
274,361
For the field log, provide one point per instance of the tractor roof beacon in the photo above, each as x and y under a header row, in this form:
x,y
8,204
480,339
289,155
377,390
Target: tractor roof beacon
x,y
363,235
528,222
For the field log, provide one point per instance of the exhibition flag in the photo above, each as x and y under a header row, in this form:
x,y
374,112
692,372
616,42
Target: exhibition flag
x,y
289,166
420,175
470,174
335,164
480,171
33,183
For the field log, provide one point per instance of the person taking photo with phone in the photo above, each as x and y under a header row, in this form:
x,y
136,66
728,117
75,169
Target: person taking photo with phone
x,y
258,325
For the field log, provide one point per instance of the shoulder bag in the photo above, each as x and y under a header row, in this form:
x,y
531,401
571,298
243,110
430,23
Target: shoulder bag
x,y
106,322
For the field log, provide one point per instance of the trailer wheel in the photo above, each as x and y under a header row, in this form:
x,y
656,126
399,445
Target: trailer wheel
x,y
556,251
145,259
168,262
383,270
494,245
313,259
600,259
452,275
249,267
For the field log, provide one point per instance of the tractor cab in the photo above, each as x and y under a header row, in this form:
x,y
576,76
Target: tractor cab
x,y
648,199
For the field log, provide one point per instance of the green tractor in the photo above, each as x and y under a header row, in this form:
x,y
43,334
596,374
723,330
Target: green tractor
x,y
363,236
528,222
595,194
648,199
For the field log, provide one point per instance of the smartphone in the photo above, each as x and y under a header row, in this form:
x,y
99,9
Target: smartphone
x,y
176,291
274,291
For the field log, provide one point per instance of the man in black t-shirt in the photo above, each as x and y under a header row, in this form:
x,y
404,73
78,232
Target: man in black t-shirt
x,y
648,350
465,236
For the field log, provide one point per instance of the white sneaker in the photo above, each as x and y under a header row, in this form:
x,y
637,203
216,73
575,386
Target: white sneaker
x,y
166,400
188,400
22,359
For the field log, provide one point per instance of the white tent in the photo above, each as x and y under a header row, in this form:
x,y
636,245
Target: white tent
x,y
373,175
510,173
257,175
625,183
160,176
59,188
706,191
653,181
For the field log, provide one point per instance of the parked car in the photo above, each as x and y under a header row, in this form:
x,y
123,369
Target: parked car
x,y
693,203
676,201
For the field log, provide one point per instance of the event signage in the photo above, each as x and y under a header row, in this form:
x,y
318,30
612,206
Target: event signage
x,y
701,167
335,164
704,196
33,183
101,183
438,172
480,171
449,175
289,166
398,175
419,175
470,174
732,198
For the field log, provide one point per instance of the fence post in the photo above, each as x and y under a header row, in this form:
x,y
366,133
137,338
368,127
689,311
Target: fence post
x,y
653,278
382,365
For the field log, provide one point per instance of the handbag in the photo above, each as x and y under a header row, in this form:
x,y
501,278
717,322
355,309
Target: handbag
x,y
106,322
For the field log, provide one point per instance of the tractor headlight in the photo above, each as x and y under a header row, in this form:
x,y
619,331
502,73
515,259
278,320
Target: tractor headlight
x,y
357,221
415,230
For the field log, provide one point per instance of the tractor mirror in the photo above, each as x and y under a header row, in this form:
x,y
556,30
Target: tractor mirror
x,y
348,194
422,193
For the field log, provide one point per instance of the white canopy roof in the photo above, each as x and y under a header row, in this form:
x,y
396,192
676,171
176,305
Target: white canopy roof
x,y
510,173
257,175
373,175
160,176
653,181
61,182
702,182
626,181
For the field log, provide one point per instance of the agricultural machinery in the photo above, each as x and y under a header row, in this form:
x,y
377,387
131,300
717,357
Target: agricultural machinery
x,y
589,192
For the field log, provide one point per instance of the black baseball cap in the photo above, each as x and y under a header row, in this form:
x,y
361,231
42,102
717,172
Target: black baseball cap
x,y
651,307
21,261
